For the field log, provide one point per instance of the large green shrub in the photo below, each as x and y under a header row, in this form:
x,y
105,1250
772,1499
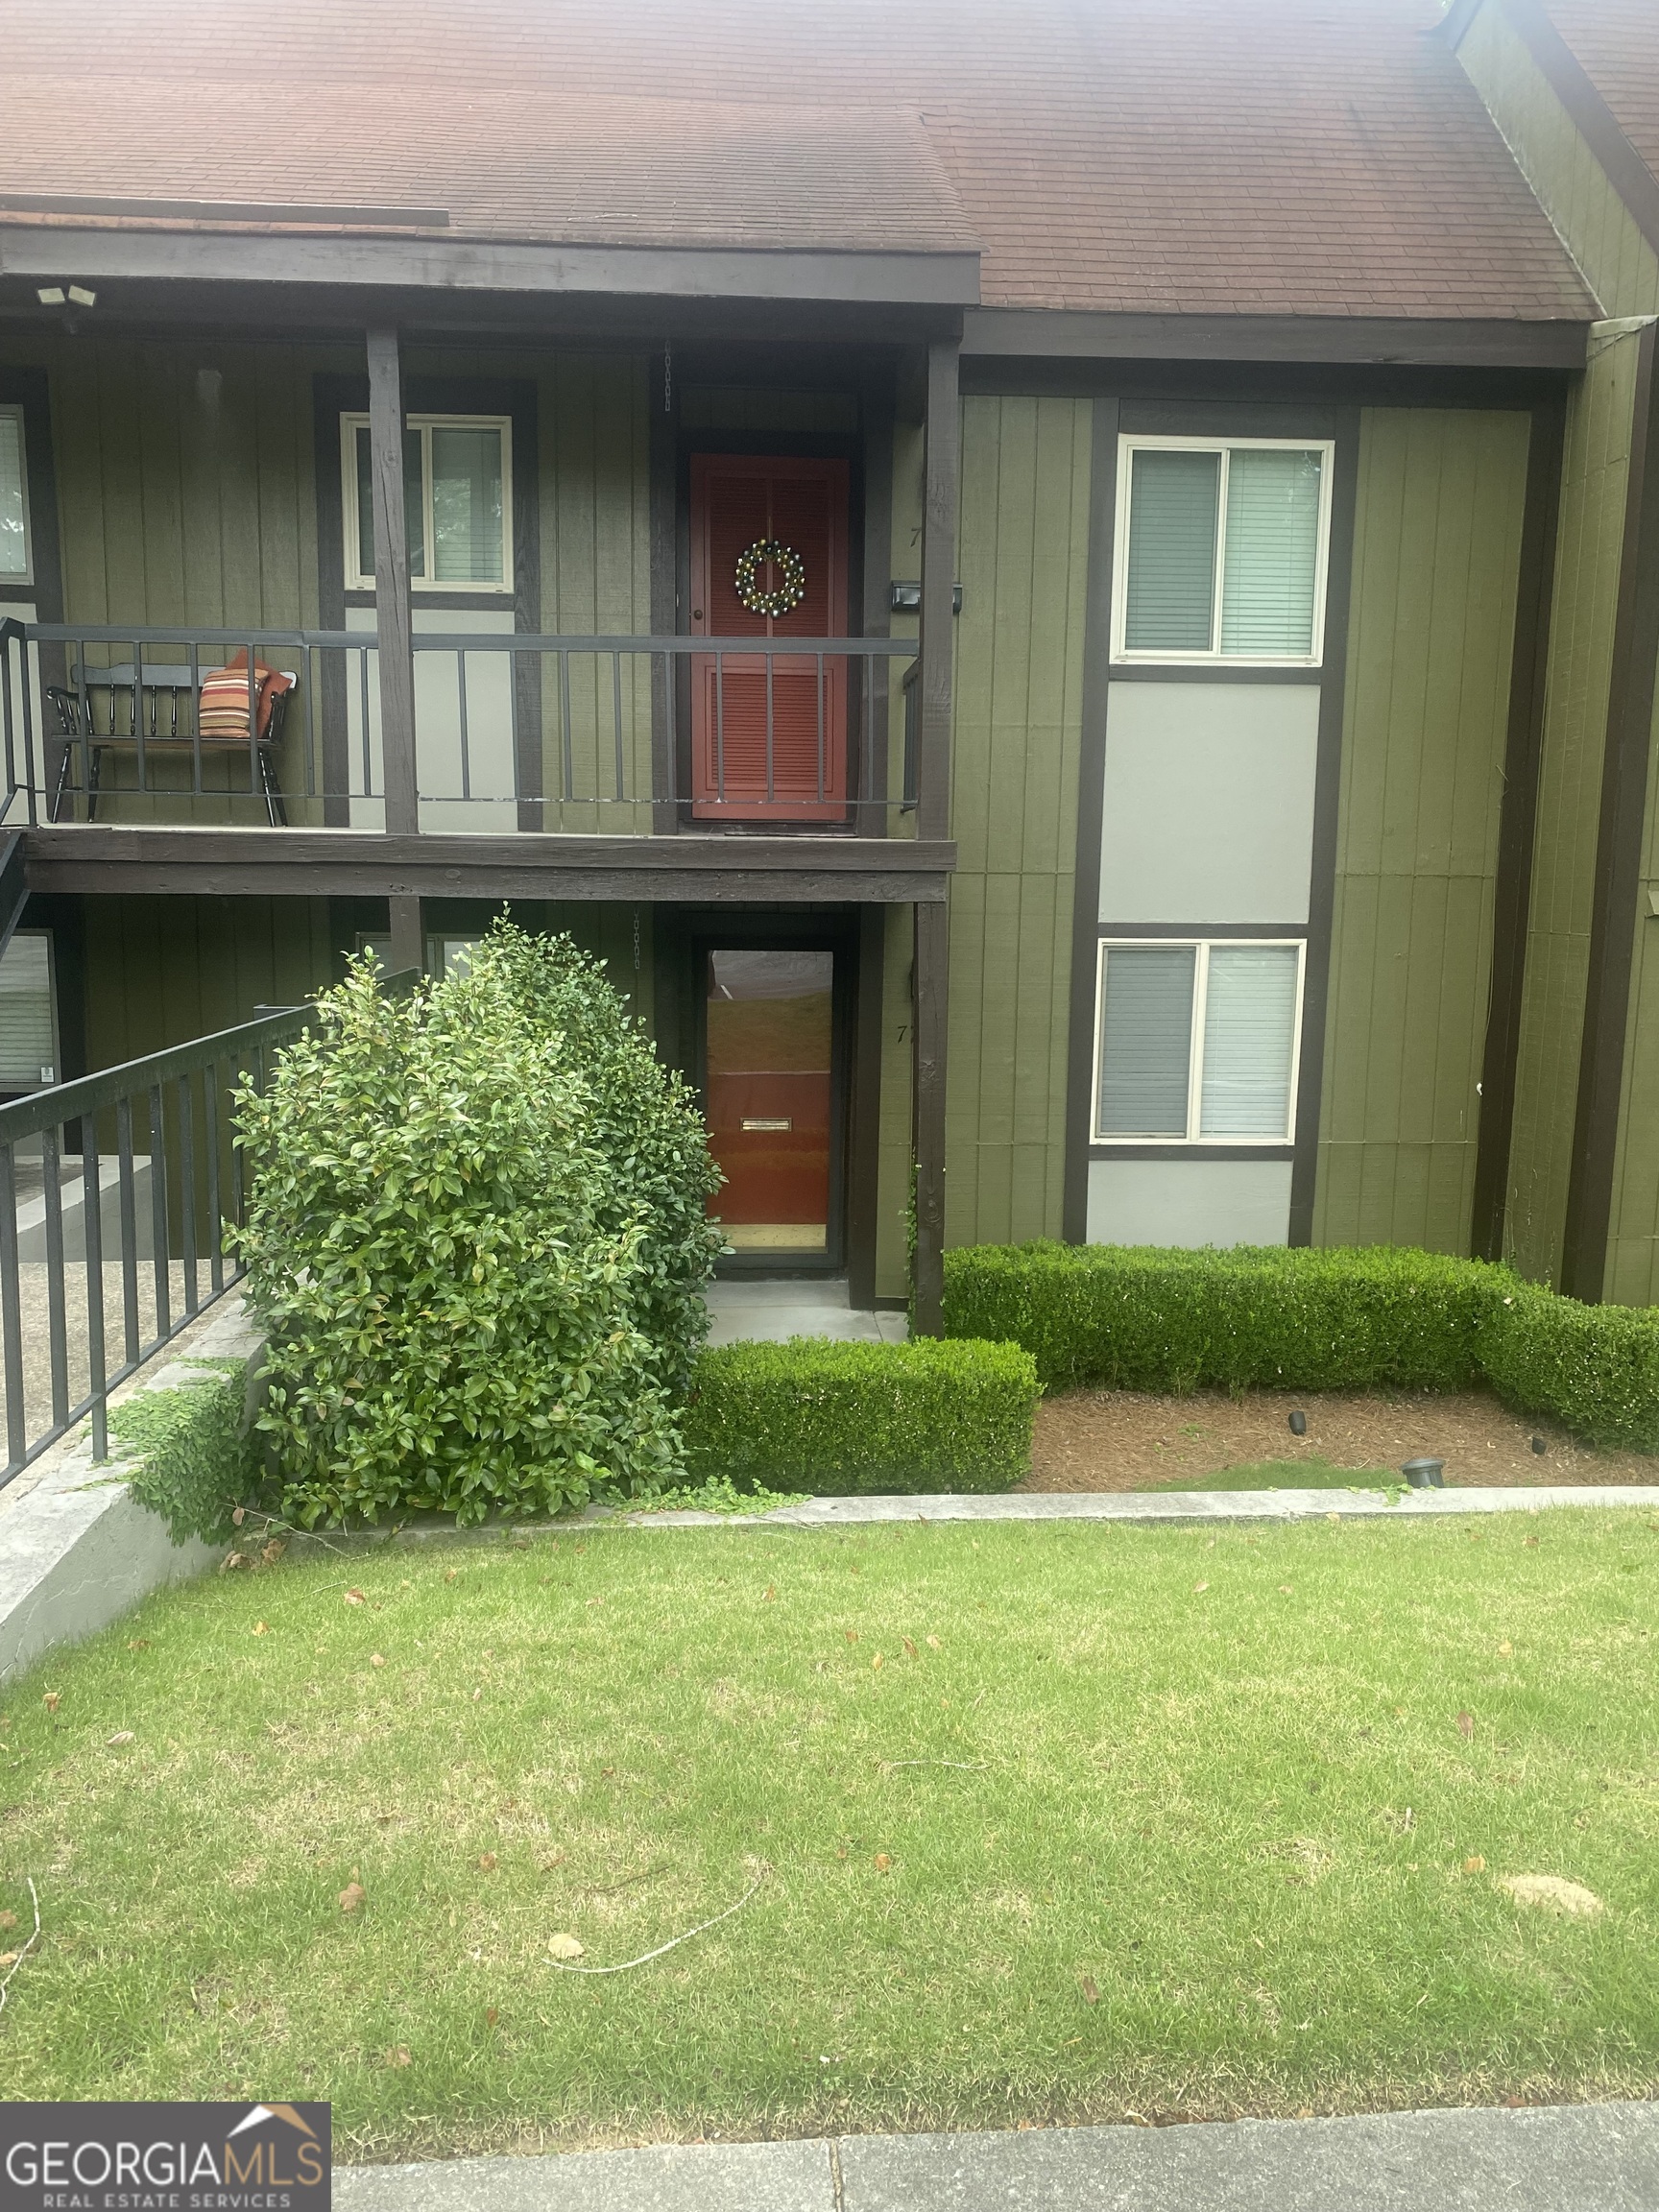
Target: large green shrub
x,y
1144,1318
453,1243
856,1420
1595,1368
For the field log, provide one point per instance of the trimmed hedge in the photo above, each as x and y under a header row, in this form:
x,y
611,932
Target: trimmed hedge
x,y
858,1420
192,1458
1594,1368
1134,1317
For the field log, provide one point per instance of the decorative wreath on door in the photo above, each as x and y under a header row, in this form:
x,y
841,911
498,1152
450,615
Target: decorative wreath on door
x,y
791,585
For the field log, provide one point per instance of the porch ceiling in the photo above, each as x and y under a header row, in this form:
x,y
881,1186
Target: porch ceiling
x,y
339,863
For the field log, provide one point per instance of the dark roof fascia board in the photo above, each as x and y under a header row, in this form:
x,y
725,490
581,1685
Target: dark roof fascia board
x,y
1594,121
480,265
1060,334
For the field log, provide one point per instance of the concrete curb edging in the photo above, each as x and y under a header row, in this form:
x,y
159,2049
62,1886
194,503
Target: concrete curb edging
x,y
1593,2158
78,1550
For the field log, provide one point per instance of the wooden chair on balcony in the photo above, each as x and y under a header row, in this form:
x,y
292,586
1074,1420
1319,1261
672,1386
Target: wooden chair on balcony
x,y
153,696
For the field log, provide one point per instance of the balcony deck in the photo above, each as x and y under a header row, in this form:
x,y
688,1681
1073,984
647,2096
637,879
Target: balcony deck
x,y
753,770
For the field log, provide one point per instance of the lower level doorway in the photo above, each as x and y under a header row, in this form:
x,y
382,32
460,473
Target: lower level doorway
x,y
772,1097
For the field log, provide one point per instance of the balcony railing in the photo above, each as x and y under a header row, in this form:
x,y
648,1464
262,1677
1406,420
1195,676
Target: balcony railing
x,y
627,734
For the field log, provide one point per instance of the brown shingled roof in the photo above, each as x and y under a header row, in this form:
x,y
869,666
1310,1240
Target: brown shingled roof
x,y
1617,45
1250,156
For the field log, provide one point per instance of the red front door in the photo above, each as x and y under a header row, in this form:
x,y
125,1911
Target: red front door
x,y
768,748
768,1096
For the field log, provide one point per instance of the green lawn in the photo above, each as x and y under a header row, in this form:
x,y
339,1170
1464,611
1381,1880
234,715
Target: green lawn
x,y
1289,1475
1060,1822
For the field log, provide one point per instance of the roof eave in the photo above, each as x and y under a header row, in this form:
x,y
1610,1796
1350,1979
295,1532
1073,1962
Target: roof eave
x,y
1497,342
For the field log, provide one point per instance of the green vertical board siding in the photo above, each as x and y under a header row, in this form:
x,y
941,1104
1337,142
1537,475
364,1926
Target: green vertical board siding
x,y
160,970
1593,482
893,1186
1023,563
1632,1277
1430,637
1617,261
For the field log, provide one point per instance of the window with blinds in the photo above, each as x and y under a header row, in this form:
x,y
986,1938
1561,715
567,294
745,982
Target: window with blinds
x,y
1223,550
14,566
1197,1042
457,502
27,1019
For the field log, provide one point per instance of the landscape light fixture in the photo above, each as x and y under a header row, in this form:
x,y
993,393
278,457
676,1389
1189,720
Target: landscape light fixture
x,y
1539,1446
1298,1424
1425,1474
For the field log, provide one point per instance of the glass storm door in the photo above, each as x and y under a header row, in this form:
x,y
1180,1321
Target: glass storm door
x,y
768,1096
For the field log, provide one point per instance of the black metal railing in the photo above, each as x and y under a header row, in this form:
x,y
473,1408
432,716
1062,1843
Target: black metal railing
x,y
115,1192
513,730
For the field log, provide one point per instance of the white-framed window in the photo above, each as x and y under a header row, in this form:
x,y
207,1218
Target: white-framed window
x,y
28,1013
444,955
457,500
1197,1041
16,562
1223,550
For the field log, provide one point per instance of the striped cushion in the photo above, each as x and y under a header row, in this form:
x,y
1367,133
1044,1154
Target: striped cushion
x,y
223,712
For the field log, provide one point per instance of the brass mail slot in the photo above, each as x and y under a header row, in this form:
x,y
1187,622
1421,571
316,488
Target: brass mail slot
x,y
750,1123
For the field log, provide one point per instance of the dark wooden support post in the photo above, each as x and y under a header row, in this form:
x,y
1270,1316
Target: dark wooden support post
x,y
408,939
930,967
393,626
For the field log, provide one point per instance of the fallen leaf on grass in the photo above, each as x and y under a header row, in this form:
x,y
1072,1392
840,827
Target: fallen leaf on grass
x,y
563,1946
1553,1893
850,1634
273,1552
491,2015
1530,1542
1285,1590
877,1661
768,1591
260,1629
52,1699
1504,1650
883,1862
1466,1725
354,1897
399,2056
451,1574
9,1958
1198,1589
486,1861
1090,1992
139,1644
121,1736
934,1643
1474,1865
355,1598
7,1919
912,1648
376,1659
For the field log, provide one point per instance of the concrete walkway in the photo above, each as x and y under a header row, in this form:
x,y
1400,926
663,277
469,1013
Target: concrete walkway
x,y
1571,2158
767,1311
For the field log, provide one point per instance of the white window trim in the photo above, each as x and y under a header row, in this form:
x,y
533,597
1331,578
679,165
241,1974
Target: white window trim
x,y
19,582
351,425
1128,445
1203,947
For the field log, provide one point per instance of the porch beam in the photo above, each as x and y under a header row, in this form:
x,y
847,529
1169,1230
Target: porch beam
x,y
392,619
339,863
931,963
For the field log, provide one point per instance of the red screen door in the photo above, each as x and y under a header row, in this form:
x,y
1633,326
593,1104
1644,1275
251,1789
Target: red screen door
x,y
768,1096
768,749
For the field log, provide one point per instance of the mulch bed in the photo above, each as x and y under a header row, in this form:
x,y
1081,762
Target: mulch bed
x,y
1130,1440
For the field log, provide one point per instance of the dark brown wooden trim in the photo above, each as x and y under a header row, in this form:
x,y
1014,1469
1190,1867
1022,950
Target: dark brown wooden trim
x,y
394,653
1326,794
1502,342
931,971
1090,799
337,863
1512,891
864,1111
1253,384
662,407
1593,120
1619,846
936,279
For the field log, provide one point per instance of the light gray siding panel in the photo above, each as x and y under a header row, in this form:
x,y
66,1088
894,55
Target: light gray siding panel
x,y
1209,803
1189,1202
